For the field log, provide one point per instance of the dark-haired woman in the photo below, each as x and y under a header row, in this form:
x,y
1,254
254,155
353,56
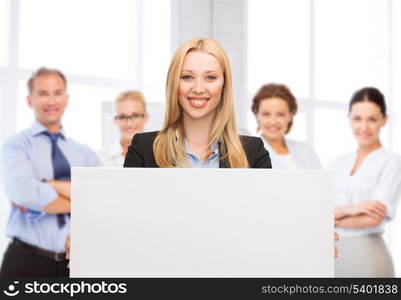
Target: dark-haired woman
x,y
274,107
368,186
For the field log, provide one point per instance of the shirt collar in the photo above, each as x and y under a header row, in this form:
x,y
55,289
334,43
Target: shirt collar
x,y
213,150
37,129
270,148
266,143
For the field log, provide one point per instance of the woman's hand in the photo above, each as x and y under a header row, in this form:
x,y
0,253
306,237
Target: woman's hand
x,y
372,208
19,207
336,238
366,214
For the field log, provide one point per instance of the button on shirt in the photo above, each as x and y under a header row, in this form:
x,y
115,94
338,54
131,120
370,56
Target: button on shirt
x,y
26,160
195,162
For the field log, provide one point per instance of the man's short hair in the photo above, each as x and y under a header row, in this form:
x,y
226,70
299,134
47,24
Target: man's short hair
x,y
42,72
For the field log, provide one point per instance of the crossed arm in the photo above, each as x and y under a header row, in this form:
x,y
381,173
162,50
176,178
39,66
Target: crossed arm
x,y
25,191
366,214
62,204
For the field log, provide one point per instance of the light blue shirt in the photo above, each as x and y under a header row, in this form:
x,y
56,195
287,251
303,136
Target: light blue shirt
x,y
26,161
195,162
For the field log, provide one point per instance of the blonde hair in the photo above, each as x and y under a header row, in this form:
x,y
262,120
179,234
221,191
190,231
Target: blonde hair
x,y
169,144
133,96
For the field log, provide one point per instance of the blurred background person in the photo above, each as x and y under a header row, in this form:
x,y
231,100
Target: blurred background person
x,y
274,107
36,169
368,186
130,119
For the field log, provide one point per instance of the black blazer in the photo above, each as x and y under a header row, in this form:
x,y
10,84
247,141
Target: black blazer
x,y
140,152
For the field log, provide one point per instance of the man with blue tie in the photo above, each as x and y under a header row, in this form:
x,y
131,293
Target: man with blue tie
x,y
36,172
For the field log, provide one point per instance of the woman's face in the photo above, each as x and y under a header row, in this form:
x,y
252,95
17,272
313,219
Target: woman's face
x,y
366,121
200,86
273,118
131,118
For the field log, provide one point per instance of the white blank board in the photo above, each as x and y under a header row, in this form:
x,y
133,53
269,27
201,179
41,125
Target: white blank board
x,y
201,223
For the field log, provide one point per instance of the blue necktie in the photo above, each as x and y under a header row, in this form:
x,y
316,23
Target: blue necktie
x,y
61,167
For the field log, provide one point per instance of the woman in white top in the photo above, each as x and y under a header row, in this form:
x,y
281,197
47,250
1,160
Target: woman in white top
x,y
131,117
368,186
274,107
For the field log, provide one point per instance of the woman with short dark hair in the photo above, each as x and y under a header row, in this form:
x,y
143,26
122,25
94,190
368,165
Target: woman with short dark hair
x,y
274,107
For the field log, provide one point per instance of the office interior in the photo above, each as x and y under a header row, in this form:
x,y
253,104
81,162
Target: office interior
x,y
323,50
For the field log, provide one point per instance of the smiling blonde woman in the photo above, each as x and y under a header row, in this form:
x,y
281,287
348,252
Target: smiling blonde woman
x,y
199,129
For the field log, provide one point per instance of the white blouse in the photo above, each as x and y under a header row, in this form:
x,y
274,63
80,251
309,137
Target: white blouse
x,y
300,156
378,178
111,157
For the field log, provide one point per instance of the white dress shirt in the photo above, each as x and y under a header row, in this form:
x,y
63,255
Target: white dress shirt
x,y
111,156
26,163
300,156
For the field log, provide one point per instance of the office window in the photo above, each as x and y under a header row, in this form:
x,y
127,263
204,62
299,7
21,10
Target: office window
x,y
25,115
395,70
278,50
335,136
85,105
89,37
156,49
3,30
278,44
104,47
351,47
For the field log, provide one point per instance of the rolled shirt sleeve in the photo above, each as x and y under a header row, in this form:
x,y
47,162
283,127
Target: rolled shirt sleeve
x,y
25,163
388,189
21,186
